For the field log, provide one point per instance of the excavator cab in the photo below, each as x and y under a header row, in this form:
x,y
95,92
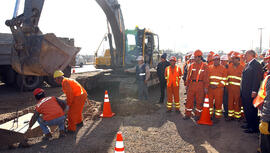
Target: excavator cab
x,y
138,42
141,42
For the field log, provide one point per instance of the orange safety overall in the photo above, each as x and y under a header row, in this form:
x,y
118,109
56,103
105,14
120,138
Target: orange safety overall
x,y
217,78
234,79
197,81
76,97
173,77
258,101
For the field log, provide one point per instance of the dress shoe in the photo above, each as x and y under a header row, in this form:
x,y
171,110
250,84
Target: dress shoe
x,y
249,130
47,137
169,111
79,124
244,126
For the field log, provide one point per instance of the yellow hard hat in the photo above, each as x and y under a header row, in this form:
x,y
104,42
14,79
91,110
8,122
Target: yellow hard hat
x,y
58,73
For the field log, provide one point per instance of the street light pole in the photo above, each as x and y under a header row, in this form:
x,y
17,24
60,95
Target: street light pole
x,y
260,39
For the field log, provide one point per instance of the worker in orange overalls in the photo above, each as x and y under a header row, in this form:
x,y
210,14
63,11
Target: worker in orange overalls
x,y
217,81
76,97
210,58
197,84
224,61
234,78
230,56
173,75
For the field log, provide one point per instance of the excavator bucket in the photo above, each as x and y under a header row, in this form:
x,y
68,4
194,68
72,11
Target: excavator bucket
x,y
43,54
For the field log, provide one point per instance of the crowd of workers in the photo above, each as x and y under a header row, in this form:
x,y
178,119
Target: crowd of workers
x,y
232,83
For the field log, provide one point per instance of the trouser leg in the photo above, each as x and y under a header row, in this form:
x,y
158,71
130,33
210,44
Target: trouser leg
x,y
237,108
230,103
225,101
80,101
218,102
251,113
176,98
145,91
43,125
211,100
169,98
190,100
265,143
140,90
199,99
162,91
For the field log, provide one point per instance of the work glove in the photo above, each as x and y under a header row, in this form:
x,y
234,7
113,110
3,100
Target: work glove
x,y
264,128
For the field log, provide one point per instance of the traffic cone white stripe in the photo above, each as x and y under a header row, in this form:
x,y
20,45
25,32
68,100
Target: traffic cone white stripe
x,y
106,100
206,105
206,100
106,96
119,144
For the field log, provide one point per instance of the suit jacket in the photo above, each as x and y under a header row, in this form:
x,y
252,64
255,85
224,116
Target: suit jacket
x,y
251,78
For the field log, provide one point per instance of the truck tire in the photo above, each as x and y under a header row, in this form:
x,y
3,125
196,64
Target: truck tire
x,y
28,83
9,78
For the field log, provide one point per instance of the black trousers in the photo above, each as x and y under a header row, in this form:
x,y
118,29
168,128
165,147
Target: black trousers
x,y
251,113
265,143
225,101
162,90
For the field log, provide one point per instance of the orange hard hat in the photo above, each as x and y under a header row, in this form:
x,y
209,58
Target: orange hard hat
x,y
230,53
267,55
38,91
211,53
236,54
173,58
216,56
198,53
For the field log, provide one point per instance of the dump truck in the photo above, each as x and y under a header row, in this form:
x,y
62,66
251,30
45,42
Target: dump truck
x,y
11,77
28,56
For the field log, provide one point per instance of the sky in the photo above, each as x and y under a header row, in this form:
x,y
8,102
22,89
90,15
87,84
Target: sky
x,y
182,25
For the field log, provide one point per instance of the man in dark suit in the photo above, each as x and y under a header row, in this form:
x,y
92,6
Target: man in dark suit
x,y
251,79
160,71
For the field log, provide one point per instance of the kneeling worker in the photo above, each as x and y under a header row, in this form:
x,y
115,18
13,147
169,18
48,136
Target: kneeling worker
x,y
48,112
76,97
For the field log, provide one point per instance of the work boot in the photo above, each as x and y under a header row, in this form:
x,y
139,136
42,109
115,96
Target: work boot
x,y
177,111
47,137
186,117
70,132
62,133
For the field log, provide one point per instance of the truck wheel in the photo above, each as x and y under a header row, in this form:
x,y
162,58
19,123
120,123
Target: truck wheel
x,y
28,83
9,77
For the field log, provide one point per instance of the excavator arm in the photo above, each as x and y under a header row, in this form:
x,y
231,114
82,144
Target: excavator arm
x,y
114,15
34,53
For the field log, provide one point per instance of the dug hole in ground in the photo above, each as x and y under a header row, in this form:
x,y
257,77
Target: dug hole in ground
x,y
146,127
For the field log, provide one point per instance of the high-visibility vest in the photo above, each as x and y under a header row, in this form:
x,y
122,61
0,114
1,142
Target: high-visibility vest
x,y
261,94
217,75
198,75
173,79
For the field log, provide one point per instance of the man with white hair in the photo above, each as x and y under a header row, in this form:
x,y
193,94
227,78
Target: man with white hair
x,y
142,71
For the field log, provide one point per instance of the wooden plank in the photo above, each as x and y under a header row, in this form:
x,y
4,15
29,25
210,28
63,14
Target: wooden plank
x,y
21,126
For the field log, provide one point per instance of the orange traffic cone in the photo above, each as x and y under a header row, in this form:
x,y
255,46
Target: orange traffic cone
x,y
119,146
205,116
107,112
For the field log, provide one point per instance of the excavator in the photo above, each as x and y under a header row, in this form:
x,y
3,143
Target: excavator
x,y
36,54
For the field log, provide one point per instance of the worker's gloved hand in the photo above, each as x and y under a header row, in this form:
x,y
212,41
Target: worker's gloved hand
x,y
264,128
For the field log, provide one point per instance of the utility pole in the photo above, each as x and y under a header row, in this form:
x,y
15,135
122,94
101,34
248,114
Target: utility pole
x,y
260,39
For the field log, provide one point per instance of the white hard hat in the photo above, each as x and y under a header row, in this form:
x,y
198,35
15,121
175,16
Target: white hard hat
x,y
192,57
139,58
224,58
